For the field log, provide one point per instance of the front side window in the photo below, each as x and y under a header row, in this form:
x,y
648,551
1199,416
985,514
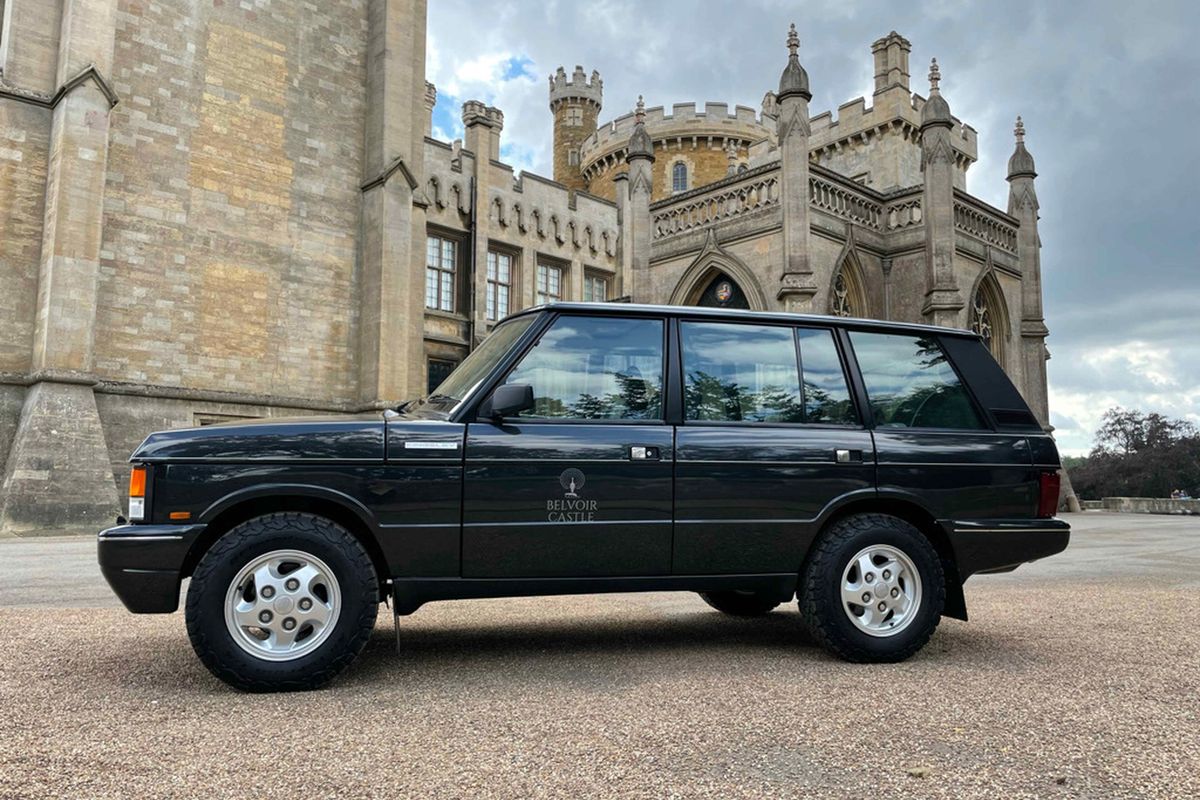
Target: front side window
x,y
595,368
740,373
499,284
441,259
595,289
911,384
679,177
549,283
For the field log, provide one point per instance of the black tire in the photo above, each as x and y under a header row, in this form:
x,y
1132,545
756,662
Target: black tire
x,y
820,597
739,604
317,536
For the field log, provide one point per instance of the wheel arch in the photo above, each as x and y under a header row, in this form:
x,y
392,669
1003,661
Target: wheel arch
x,y
229,512
919,517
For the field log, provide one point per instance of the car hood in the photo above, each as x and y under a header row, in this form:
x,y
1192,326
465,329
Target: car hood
x,y
358,437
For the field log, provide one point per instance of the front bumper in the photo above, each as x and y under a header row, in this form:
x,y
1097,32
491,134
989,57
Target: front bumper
x,y
1000,545
143,564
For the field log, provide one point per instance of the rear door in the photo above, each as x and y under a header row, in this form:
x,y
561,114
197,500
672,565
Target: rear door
x,y
757,453
581,485
932,439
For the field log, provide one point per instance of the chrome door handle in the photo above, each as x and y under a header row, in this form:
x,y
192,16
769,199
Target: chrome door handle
x,y
848,456
639,452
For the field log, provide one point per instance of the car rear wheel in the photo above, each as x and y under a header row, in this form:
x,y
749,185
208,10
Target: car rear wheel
x,y
739,603
282,602
873,589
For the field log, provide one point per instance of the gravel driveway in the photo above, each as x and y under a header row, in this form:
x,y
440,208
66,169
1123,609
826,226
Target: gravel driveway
x,y
1072,680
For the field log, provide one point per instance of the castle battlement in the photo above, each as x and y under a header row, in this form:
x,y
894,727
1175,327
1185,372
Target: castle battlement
x,y
744,124
577,87
895,107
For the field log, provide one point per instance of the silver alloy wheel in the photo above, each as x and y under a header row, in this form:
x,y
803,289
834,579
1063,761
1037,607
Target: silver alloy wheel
x,y
881,590
282,605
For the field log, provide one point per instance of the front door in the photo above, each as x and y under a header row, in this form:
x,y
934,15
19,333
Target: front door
x,y
767,412
581,486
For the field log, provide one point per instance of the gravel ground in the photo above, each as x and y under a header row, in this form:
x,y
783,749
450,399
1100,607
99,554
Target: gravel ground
x,y
1062,685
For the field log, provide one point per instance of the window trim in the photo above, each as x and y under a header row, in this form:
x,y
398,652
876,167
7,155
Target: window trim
x,y
457,239
663,412
987,425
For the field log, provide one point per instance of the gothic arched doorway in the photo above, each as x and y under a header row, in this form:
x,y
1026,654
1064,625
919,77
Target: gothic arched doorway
x,y
723,292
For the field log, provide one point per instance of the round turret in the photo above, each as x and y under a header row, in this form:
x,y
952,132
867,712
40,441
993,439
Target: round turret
x,y
575,103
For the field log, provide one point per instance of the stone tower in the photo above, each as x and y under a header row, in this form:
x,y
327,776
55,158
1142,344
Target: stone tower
x,y
575,103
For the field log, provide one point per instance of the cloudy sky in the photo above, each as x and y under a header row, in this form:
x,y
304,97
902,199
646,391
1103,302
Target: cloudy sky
x,y
1108,90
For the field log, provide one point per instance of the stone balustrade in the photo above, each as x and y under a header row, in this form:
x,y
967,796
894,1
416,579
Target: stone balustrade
x,y
985,223
903,212
840,200
752,191
1151,505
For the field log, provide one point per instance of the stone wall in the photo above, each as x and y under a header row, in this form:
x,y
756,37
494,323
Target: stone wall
x,y
231,212
24,146
1151,505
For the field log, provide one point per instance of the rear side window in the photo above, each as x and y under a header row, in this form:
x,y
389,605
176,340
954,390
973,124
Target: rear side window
x,y
911,384
740,373
826,395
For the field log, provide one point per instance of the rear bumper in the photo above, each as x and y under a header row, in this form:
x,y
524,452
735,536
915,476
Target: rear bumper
x,y
143,564
999,545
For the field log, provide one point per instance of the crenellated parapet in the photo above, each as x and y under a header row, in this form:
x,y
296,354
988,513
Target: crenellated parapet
x,y
576,88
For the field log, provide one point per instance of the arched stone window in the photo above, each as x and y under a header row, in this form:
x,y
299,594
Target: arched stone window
x,y
846,298
988,316
679,177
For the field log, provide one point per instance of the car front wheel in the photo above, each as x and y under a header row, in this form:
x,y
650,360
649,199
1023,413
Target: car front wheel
x,y
873,589
282,602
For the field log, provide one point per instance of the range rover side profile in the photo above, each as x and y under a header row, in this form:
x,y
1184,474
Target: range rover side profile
x,y
864,468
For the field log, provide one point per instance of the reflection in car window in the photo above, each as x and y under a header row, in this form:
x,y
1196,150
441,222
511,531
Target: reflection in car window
x,y
910,384
826,395
740,373
595,368
463,380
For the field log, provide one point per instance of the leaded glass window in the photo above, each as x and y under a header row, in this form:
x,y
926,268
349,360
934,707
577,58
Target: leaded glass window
x,y
441,256
549,284
679,178
499,284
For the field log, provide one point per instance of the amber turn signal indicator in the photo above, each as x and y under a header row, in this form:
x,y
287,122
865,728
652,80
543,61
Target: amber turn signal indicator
x,y
137,482
180,515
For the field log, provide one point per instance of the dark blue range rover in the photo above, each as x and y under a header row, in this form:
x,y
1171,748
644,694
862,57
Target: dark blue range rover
x,y
865,468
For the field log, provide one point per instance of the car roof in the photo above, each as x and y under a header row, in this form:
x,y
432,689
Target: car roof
x,y
742,315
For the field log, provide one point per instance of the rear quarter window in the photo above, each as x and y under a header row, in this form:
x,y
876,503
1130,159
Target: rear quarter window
x,y
911,384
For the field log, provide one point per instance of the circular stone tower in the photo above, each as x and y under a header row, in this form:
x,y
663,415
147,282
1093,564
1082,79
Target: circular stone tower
x,y
575,103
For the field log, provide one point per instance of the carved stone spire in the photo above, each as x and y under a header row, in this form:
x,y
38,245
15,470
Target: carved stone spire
x,y
936,110
794,80
640,144
1021,163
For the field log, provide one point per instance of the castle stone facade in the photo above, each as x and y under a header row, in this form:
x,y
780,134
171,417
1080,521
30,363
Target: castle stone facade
x,y
227,210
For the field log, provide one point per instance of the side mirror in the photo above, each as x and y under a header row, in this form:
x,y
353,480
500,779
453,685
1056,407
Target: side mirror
x,y
511,399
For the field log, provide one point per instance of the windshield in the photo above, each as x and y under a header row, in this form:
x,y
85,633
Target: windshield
x,y
460,383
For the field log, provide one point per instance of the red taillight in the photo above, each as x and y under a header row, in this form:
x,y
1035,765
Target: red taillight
x,y
1048,485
